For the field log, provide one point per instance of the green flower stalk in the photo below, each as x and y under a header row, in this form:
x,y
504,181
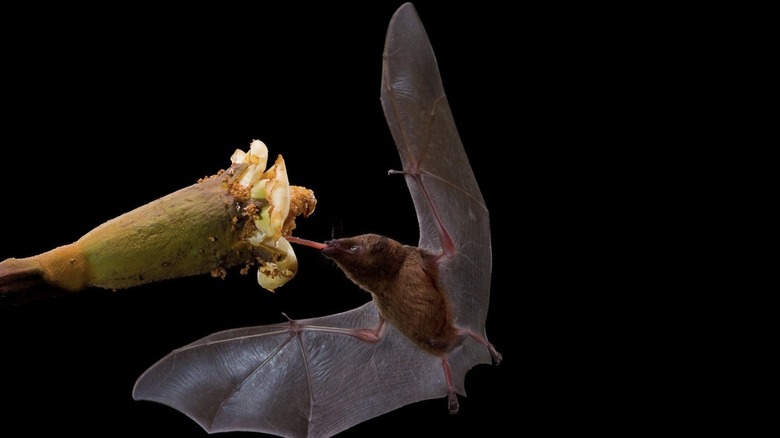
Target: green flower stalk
x,y
238,217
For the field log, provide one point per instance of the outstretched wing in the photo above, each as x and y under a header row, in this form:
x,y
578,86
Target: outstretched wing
x,y
450,209
304,382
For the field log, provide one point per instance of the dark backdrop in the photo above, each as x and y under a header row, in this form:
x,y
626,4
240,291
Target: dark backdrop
x,y
107,110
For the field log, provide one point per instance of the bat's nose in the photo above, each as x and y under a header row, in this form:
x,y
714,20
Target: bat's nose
x,y
332,248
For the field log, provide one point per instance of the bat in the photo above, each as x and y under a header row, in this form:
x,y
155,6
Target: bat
x,y
424,328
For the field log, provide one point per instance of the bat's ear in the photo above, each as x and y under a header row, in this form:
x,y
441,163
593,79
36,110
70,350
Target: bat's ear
x,y
377,241
383,246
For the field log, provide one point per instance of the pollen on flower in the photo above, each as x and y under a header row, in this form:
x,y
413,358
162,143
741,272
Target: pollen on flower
x,y
302,202
270,205
219,272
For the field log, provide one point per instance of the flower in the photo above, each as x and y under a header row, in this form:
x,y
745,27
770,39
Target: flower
x,y
270,189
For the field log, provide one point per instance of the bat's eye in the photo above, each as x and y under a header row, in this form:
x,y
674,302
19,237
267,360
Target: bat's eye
x,y
354,248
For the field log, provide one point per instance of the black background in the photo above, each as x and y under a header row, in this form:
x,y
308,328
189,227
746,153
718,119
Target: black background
x,y
107,110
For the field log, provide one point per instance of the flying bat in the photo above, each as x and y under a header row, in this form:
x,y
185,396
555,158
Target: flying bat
x,y
424,328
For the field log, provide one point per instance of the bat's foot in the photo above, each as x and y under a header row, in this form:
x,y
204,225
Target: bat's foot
x,y
496,355
452,396
452,400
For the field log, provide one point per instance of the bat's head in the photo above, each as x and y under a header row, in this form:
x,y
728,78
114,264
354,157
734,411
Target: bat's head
x,y
358,249
366,258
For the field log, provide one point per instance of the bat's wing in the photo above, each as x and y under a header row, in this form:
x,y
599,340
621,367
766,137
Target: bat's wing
x,y
451,212
303,378
305,382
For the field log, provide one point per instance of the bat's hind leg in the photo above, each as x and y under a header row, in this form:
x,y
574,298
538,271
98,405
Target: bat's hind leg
x,y
452,395
493,352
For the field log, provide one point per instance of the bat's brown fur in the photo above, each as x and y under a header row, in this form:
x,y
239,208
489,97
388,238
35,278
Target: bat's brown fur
x,y
402,280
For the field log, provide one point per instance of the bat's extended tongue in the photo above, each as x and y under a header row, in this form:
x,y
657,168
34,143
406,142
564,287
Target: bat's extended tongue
x,y
311,243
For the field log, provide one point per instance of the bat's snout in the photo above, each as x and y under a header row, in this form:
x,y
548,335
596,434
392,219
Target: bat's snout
x,y
330,247
336,249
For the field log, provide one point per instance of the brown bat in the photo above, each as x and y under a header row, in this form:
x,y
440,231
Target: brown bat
x,y
425,326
